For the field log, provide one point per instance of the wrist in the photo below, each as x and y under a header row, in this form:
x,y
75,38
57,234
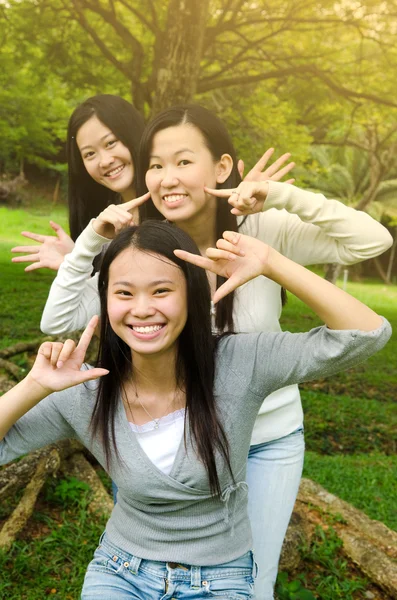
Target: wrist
x,y
37,391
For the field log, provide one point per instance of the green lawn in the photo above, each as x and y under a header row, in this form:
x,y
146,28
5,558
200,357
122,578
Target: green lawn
x,y
350,423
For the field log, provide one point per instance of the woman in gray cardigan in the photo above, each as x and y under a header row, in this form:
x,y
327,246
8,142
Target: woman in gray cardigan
x,y
172,419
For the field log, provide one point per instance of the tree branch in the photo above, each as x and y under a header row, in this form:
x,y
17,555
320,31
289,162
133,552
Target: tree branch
x,y
140,16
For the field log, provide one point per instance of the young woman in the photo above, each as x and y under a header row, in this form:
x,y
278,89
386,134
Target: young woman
x,y
184,149
103,138
173,421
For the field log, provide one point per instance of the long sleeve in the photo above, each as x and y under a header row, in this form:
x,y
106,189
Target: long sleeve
x,y
310,229
73,297
281,359
44,424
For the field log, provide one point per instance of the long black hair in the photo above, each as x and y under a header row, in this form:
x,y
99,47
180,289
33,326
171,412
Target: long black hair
x,y
195,365
218,142
86,197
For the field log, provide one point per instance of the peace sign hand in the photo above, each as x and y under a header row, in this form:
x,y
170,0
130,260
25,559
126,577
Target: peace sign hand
x,y
274,172
117,217
237,257
57,365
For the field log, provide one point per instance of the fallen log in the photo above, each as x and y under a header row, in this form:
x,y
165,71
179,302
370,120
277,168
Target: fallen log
x,y
11,368
78,466
48,464
23,347
18,474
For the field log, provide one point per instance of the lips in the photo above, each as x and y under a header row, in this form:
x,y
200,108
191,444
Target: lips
x,y
173,199
114,172
147,332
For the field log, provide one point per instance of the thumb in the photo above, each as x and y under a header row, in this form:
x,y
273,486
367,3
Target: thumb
x,y
58,229
229,286
240,168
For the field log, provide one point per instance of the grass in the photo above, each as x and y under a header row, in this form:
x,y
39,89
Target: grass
x,y
350,423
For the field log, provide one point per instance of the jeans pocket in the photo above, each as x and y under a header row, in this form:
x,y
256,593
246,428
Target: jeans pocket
x,y
230,588
104,562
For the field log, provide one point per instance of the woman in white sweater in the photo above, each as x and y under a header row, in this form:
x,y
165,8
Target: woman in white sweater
x,y
184,149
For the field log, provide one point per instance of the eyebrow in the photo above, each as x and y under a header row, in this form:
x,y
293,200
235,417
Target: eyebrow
x,y
101,140
175,153
152,283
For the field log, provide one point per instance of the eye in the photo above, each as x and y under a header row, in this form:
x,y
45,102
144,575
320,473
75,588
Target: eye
x,y
88,155
155,166
162,291
123,293
111,143
185,162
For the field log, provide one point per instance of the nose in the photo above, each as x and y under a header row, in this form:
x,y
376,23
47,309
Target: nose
x,y
105,159
170,178
142,307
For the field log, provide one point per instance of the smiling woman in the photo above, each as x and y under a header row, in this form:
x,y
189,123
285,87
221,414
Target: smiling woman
x,y
172,421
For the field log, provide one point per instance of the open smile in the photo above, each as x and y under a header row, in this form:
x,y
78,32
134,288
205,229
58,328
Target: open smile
x,y
147,332
174,200
113,173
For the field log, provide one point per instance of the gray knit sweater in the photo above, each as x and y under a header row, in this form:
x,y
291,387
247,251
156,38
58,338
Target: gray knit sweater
x,y
174,517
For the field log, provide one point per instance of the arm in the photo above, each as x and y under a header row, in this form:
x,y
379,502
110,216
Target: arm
x,y
29,416
313,229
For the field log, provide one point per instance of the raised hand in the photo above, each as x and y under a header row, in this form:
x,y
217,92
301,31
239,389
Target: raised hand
x,y
57,365
237,257
274,172
51,251
117,217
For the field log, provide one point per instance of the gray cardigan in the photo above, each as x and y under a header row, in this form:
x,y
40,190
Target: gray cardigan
x,y
174,517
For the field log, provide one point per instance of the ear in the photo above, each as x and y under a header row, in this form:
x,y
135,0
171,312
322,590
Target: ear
x,y
224,168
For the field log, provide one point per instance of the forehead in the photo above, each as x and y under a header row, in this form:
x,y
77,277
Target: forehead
x,y
91,132
173,139
142,268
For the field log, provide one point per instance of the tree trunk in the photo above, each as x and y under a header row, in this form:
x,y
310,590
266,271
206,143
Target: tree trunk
x,y
181,53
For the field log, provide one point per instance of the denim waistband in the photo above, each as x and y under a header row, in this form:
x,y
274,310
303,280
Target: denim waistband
x,y
243,566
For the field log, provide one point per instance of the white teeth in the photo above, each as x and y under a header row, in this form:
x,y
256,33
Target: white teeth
x,y
115,171
147,329
174,198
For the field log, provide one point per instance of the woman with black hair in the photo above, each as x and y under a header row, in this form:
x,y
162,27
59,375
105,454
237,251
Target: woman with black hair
x,y
180,527
102,147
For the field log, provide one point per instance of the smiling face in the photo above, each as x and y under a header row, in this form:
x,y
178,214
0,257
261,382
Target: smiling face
x,y
105,158
147,302
179,168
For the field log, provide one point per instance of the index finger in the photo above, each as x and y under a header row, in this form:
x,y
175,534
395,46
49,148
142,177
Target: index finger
x,y
33,236
220,193
131,204
196,259
87,334
262,162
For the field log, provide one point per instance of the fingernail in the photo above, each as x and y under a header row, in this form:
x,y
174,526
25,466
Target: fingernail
x,y
59,364
232,257
242,253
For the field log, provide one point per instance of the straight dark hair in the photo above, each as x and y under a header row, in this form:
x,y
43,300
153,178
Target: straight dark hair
x,y
218,142
195,365
86,197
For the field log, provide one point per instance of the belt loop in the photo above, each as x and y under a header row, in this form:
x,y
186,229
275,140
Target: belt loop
x,y
254,566
135,563
195,577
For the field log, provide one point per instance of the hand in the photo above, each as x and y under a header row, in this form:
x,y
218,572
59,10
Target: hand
x,y
117,217
57,365
274,172
248,198
237,257
51,252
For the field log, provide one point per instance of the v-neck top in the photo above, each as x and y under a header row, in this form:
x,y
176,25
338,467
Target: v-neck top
x,y
174,517
160,439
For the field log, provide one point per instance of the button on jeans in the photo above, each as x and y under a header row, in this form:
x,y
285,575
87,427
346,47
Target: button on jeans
x,y
114,574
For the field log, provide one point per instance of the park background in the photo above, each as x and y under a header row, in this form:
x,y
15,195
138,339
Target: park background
x,y
317,79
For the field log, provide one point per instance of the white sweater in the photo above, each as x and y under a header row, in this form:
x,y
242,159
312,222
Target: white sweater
x,y
301,225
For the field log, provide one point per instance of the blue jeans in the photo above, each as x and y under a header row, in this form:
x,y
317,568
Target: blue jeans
x,y
273,474
114,574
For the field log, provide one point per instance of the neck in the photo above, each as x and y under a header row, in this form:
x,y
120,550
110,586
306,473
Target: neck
x,y
155,374
202,228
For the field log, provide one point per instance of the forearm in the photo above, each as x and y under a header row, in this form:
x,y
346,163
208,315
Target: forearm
x,y
335,307
18,401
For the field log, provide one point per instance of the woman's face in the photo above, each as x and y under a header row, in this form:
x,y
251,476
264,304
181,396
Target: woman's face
x,y
180,165
106,159
147,301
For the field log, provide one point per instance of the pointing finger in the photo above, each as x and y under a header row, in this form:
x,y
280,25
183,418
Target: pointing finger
x,y
87,335
33,236
136,201
195,259
219,193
